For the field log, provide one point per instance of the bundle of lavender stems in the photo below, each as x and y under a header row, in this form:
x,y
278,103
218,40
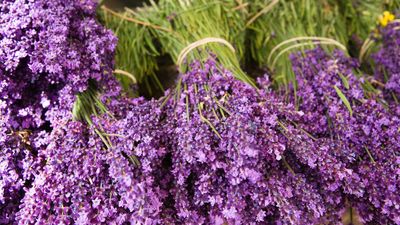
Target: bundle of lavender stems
x,y
214,149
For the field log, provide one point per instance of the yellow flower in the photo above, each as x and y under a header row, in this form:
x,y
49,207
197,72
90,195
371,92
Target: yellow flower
x,y
383,21
388,15
386,18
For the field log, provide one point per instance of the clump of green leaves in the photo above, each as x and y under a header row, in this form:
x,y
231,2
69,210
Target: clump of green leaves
x,y
169,26
88,104
361,15
362,19
136,52
266,30
289,26
296,25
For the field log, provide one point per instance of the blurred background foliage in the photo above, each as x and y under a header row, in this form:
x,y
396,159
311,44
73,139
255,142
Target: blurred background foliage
x,y
150,54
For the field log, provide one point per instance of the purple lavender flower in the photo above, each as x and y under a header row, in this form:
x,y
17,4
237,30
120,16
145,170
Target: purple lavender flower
x,y
50,51
75,173
362,140
19,162
85,182
387,62
232,142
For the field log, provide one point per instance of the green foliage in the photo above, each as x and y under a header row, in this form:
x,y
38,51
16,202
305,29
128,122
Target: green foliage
x,y
288,20
344,99
361,15
255,28
136,52
88,104
167,27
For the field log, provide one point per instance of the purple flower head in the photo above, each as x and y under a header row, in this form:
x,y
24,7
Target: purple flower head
x,y
51,50
357,139
387,62
231,144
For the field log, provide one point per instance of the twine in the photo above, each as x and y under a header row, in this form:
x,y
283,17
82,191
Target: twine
x,y
263,11
129,75
322,39
364,48
182,55
373,81
134,20
298,46
396,21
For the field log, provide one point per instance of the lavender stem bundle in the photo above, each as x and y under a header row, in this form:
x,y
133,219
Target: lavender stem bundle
x,y
177,24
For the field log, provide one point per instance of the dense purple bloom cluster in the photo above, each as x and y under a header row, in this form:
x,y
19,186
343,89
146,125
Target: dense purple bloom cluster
x,y
316,75
18,164
236,155
215,150
142,139
82,182
388,61
49,52
375,137
366,136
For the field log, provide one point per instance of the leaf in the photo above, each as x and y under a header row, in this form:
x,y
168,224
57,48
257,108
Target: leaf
x,y
344,100
344,81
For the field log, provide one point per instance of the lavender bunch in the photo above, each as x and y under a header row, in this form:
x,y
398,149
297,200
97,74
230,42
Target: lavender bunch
x,y
364,133
84,182
73,185
326,87
387,62
375,137
232,150
50,52
18,164
142,137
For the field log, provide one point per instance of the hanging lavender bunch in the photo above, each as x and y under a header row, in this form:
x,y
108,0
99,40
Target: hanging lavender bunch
x,y
50,52
365,134
84,182
229,160
387,61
